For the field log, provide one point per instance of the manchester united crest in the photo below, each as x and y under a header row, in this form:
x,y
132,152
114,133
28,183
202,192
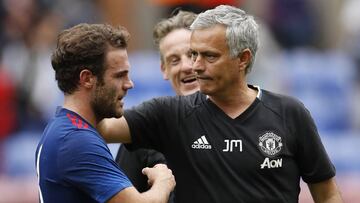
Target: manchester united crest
x,y
270,143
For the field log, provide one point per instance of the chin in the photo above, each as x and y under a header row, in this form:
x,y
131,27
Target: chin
x,y
115,114
187,91
119,114
190,92
205,91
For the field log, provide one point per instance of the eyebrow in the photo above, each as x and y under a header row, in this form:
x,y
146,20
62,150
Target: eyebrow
x,y
171,56
206,52
209,53
120,73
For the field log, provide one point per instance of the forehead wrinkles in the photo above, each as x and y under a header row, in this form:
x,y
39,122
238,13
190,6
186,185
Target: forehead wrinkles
x,y
209,39
117,60
179,36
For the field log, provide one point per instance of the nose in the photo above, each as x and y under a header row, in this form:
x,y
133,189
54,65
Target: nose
x,y
198,64
187,65
128,84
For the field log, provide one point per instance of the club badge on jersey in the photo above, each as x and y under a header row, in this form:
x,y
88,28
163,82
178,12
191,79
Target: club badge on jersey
x,y
270,144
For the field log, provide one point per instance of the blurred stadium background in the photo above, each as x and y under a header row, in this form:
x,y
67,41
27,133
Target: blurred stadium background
x,y
310,50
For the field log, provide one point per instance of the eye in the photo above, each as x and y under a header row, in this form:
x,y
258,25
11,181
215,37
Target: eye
x,y
211,57
121,74
174,61
189,54
194,55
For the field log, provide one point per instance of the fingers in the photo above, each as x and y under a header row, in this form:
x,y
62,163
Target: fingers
x,y
160,172
146,170
160,166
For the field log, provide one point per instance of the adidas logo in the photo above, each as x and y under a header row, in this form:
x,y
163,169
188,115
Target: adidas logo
x,y
201,143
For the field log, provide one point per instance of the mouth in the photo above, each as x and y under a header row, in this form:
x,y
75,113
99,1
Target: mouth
x,y
189,79
120,101
202,77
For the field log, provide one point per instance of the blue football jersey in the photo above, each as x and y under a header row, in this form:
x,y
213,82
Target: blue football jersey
x,y
74,164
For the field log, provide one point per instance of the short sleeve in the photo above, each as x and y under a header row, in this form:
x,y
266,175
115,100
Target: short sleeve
x,y
315,165
86,163
148,124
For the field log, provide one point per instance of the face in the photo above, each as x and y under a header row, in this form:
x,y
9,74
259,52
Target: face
x,y
176,64
217,73
108,94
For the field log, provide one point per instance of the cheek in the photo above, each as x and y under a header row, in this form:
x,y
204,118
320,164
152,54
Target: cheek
x,y
113,91
117,87
174,73
107,93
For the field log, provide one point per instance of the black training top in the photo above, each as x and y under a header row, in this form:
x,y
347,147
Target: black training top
x,y
257,157
132,162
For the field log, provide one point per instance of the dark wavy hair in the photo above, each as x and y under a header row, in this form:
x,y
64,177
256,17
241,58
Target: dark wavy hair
x,y
84,47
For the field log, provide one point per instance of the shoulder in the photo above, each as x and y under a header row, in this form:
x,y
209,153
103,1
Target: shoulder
x,y
83,136
82,147
171,103
291,110
79,145
281,104
67,129
190,100
74,134
66,122
76,131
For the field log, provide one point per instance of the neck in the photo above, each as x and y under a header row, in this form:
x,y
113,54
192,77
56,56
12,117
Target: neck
x,y
79,103
235,103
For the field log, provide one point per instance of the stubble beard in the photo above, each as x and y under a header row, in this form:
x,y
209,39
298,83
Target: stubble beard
x,y
104,104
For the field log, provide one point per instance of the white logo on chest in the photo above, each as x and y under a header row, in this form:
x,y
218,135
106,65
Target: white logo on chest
x,y
270,143
232,144
201,143
275,163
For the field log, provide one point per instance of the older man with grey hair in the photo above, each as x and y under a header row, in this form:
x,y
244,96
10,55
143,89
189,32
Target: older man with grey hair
x,y
231,141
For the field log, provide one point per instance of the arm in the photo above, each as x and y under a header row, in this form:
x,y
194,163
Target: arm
x,y
325,192
162,183
114,130
314,163
132,162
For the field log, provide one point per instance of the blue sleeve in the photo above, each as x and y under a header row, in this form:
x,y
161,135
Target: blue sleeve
x,y
86,163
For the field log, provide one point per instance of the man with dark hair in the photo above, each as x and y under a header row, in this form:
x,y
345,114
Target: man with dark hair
x,y
172,38
73,162
231,141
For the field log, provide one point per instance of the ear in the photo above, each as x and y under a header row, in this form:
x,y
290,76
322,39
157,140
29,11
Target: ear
x,y
87,79
244,59
164,71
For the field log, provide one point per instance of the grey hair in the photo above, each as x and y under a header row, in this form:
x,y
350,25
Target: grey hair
x,y
241,29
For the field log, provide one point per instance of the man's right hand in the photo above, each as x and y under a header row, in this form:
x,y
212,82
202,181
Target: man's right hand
x,y
160,175
162,182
